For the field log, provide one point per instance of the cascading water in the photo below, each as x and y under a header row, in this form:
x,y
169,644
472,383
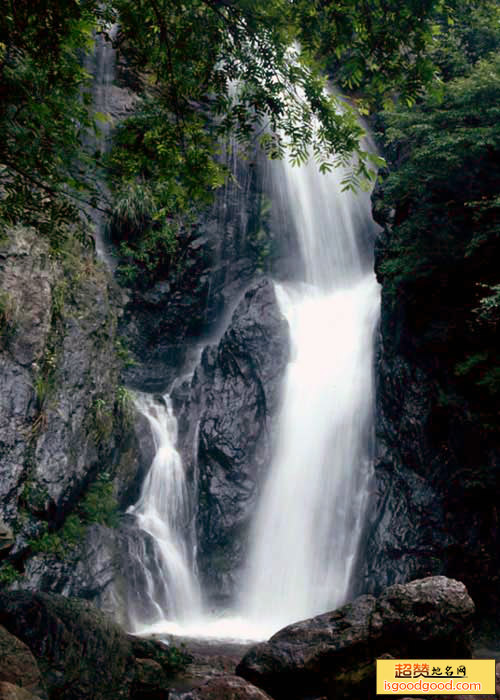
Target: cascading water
x,y
101,65
310,516
162,511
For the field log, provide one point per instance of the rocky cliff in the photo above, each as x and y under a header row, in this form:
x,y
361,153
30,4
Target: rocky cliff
x,y
68,454
435,507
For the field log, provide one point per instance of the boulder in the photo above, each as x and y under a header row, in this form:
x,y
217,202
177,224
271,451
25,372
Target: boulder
x,y
150,682
82,654
18,666
14,692
78,649
333,654
224,688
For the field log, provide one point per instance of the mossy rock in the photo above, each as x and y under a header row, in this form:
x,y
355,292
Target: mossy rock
x,y
82,653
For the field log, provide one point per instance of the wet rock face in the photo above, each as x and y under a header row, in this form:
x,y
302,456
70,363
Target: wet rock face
x,y
406,521
57,361
237,241
24,329
333,655
219,259
434,508
228,414
62,421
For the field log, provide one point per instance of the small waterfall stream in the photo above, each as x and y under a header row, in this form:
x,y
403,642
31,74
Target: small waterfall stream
x,y
101,65
163,512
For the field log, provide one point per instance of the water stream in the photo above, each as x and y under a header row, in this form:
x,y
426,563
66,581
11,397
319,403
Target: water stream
x,y
310,516
101,65
162,511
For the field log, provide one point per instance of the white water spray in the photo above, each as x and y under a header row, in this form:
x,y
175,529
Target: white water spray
x,y
310,516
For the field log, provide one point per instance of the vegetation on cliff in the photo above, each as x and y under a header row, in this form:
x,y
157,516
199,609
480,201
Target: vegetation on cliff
x,y
438,471
439,262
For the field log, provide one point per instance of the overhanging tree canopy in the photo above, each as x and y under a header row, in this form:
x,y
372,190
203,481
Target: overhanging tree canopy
x,y
190,56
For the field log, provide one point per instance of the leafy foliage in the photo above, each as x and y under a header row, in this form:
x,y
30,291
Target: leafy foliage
x,y
466,36
148,241
440,261
100,505
43,112
251,71
60,543
102,420
204,69
6,305
9,574
381,46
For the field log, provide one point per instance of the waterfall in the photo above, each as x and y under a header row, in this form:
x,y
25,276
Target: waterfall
x,y
101,65
162,511
310,516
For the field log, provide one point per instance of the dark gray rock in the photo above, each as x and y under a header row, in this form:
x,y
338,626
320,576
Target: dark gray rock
x,y
164,321
435,508
58,368
95,570
78,414
437,469
228,415
406,528
136,452
25,266
64,418
333,655
240,238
